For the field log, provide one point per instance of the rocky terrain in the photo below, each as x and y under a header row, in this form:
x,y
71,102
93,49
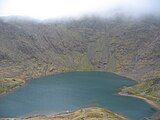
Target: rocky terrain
x,y
123,45
83,114
92,113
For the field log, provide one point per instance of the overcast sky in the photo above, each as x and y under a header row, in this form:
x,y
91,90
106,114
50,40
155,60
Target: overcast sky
x,y
43,9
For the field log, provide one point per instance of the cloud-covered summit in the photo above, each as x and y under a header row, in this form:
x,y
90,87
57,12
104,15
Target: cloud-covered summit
x,y
43,9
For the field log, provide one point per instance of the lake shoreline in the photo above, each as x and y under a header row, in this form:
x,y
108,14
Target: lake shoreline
x,y
150,102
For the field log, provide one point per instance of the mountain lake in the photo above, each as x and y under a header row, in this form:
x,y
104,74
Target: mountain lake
x,y
70,91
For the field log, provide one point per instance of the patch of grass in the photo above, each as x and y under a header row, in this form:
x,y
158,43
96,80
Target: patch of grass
x,y
7,84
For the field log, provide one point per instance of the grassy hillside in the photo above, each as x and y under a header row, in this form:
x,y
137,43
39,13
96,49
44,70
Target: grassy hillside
x,y
82,114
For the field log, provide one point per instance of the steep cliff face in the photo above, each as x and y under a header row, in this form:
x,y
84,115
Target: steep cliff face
x,y
126,46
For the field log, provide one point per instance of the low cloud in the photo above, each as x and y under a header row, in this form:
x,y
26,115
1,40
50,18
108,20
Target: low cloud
x,y
43,9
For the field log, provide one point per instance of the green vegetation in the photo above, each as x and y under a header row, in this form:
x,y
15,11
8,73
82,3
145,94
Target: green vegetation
x,y
7,84
148,90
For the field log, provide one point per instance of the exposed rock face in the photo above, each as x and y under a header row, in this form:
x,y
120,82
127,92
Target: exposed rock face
x,y
126,46
117,45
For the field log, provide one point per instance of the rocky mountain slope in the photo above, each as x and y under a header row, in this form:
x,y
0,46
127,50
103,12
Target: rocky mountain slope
x,y
123,45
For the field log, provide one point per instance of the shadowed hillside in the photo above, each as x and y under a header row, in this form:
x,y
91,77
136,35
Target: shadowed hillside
x,y
126,46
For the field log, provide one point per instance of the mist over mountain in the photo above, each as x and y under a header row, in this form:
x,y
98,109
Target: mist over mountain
x,y
47,9
43,37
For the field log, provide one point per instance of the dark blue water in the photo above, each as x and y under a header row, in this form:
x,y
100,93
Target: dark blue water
x,y
69,91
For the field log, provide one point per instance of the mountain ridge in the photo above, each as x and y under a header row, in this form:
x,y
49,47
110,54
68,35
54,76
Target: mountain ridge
x,y
125,46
